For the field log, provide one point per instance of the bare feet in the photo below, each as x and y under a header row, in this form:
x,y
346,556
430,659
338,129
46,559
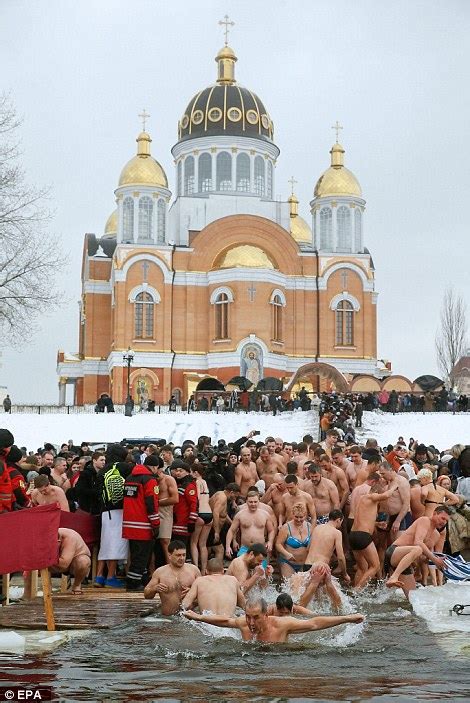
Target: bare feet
x,y
394,583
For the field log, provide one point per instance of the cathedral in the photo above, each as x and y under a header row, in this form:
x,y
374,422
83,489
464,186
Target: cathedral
x,y
218,278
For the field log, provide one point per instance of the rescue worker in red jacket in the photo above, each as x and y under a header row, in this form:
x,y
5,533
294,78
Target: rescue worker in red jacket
x,y
6,441
185,511
18,486
140,522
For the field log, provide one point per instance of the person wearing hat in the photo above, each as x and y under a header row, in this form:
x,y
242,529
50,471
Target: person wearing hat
x,y
6,493
185,511
18,486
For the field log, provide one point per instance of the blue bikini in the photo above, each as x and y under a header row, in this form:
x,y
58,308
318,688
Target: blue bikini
x,y
295,543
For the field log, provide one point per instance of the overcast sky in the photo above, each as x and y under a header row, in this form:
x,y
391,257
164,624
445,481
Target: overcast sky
x,y
395,74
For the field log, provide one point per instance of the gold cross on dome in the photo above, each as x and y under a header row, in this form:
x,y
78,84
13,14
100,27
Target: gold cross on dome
x,y
292,182
337,127
228,23
144,117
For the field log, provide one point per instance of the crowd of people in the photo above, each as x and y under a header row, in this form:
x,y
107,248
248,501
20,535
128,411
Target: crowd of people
x,y
182,522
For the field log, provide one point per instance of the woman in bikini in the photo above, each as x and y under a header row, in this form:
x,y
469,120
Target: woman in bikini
x,y
198,543
293,542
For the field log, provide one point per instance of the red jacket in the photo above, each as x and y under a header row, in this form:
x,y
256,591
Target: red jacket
x,y
185,510
5,488
18,487
140,504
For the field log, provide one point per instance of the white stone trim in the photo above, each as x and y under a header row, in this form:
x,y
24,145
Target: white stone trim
x,y
223,142
144,288
222,289
367,285
345,296
98,287
120,275
280,293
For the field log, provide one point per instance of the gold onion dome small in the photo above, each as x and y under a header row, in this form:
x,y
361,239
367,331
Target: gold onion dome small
x,y
337,180
299,229
110,228
143,169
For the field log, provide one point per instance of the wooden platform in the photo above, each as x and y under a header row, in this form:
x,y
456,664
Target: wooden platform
x,y
96,609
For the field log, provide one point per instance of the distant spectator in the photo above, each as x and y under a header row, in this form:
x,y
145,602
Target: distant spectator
x,y
7,404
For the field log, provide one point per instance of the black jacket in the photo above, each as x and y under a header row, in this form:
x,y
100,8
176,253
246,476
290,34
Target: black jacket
x,y
88,490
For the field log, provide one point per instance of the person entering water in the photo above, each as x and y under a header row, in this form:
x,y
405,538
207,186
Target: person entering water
x,y
257,625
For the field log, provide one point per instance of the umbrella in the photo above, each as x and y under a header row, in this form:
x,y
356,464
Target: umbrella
x,y
428,382
269,384
238,383
210,384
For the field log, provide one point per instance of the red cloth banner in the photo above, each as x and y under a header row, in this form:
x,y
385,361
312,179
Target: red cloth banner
x,y
29,539
88,526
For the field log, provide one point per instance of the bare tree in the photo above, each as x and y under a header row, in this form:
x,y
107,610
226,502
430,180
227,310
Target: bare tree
x,y
29,255
452,335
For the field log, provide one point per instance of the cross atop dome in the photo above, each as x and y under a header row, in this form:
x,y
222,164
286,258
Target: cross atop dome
x,y
337,127
228,23
144,117
292,182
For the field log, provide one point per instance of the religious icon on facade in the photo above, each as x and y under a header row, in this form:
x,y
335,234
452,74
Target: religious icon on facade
x,y
251,366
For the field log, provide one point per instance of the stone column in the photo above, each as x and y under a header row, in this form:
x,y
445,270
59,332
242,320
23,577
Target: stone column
x,y
62,389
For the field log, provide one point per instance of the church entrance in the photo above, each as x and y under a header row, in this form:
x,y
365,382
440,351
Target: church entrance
x,y
318,377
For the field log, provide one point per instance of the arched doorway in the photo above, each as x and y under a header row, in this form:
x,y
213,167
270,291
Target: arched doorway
x,y
144,385
308,375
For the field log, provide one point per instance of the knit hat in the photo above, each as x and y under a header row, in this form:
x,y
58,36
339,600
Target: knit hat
x,y
116,452
6,439
14,454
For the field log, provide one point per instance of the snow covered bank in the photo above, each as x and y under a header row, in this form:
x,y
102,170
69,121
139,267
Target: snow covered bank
x,y
441,429
33,431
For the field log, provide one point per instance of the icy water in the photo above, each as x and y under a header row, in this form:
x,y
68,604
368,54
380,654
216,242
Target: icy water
x,y
393,656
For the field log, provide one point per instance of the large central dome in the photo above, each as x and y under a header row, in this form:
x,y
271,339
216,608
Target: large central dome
x,y
225,108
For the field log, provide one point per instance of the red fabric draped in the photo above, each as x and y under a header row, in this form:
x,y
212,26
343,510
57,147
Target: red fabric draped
x,y
29,539
88,526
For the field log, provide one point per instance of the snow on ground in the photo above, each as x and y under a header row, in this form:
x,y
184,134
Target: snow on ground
x,y
32,431
443,430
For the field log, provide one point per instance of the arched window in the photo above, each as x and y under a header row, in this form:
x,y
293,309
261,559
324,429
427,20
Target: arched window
x,y
277,318
269,189
325,228
243,173
224,171
205,173
344,228
189,175
259,176
144,314
180,178
357,230
145,217
344,324
128,220
221,316
161,221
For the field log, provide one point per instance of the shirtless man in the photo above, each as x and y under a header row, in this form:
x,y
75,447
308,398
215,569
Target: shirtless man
x,y
58,473
338,458
324,493
245,473
337,475
287,452
416,504
45,494
275,493
302,458
294,496
268,465
416,542
326,540
216,592
331,437
284,606
257,625
249,569
364,467
172,581
398,505
254,524
167,498
74,558
432,496
220,520
360,537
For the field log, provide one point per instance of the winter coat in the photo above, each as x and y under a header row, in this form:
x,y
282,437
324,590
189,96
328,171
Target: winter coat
x,y
185,510
88,490
140,512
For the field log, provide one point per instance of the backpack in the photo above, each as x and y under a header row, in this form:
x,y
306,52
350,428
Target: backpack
x,y
113,487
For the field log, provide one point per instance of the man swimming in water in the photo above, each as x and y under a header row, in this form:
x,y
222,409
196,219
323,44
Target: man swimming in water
x,y
257,625
217,592
284,605
248,569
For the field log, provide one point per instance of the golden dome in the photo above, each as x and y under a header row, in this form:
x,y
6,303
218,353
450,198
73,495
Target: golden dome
x,y
111,224
246,256
337,180
143,169
300,230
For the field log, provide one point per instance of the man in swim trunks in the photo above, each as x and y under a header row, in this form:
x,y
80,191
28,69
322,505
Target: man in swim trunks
x,y
416,542
326,540
248,568
219,503
269,464
398,505
245,473
323,491
274,494
255,525
360,537
172,581
74,558
167,498
257,625
337,475
217,592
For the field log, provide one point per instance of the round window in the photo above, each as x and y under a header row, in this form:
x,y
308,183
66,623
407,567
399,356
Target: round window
x,y
215,114
252,117
197,117
185,121
234,114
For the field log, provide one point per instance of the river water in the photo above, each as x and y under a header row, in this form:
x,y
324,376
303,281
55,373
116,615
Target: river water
x,y
393,656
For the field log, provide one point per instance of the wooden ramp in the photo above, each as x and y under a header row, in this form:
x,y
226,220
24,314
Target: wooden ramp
x,y
96,609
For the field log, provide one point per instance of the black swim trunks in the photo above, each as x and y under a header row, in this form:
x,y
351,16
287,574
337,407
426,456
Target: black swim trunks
x,y
404,524
388,562
359,540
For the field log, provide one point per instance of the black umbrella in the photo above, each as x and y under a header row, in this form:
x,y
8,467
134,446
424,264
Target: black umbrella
x,y
269,384
210,384
428,382
239,382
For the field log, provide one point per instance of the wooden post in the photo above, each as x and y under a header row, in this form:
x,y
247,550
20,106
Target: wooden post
x,y
63,583
94,564
30,585
6,588
47,595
